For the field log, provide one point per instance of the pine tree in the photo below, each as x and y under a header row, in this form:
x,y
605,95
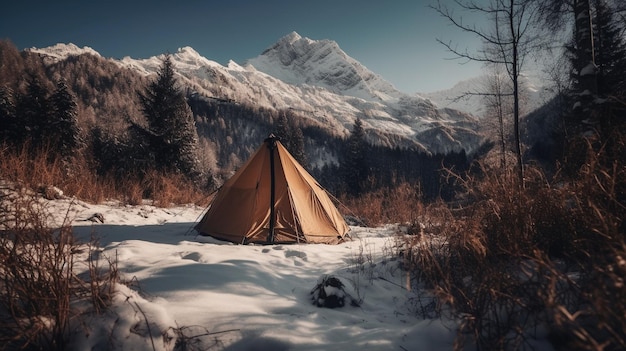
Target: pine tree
x,y
297,146
584,37
171,134
282,130
610,50
354,165
291,137
64,133
34,115
8,120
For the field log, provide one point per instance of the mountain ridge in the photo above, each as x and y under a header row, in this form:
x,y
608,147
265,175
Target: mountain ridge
x,y
326,85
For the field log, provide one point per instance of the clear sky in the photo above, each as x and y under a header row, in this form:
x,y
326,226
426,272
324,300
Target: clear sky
x,y
395,39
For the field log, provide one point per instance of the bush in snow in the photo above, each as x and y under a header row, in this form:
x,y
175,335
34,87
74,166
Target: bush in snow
x,y
329,292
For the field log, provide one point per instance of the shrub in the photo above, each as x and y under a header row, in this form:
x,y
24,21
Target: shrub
x,y
38,280
517,260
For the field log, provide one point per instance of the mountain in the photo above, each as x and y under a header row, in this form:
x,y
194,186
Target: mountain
x,y
387,113
465,95
297,60
62,51
323,84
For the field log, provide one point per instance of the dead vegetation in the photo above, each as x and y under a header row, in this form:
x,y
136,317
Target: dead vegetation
x,y
42,170
48,279
516,265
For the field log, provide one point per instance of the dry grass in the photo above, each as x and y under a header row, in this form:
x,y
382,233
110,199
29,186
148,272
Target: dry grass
x,y
165,190
40,289
514,261
77,178
399,204
38,280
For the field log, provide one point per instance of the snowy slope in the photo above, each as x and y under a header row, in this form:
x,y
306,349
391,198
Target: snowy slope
x,y
223,296
253,297
322,83
465,95
297,60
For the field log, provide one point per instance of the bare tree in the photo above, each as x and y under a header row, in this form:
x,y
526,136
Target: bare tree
x,y
497,99
508,41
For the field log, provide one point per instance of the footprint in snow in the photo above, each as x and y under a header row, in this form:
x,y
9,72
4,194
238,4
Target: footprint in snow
x,y
293,253
194,256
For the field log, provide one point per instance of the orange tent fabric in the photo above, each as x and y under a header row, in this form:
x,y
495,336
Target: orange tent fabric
x,y
301,211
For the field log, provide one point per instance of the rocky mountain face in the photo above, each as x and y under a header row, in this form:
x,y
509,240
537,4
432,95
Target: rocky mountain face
x,y
321,83
389,115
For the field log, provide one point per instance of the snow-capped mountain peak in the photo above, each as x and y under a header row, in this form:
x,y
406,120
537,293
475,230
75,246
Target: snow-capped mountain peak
x,y
190,57
299,60
62,51
290,38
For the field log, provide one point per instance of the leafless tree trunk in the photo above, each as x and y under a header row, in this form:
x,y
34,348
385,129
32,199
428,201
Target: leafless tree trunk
x,y
507,43
496,101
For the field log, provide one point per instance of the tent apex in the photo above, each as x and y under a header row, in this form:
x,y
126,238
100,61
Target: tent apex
x,y
272,139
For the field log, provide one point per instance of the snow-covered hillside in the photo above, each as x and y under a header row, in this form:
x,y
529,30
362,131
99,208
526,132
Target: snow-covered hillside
x,y
466,95
322,83
297,60
251,297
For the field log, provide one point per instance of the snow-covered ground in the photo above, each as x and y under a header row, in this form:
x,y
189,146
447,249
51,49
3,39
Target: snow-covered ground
x,y
245,297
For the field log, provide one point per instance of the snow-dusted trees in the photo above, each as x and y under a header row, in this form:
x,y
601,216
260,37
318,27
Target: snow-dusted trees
x,y
597,54
291,137
170,135
585,69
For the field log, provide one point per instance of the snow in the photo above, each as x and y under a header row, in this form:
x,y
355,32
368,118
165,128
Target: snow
x,y
252,297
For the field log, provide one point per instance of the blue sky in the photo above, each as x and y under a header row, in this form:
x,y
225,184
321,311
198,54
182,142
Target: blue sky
x,y
395,39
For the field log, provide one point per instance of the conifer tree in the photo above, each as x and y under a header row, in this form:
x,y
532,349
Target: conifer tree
x,y
291,137
64,133
34,115
297,146
7,117
610,50
354,165
282,129
171,134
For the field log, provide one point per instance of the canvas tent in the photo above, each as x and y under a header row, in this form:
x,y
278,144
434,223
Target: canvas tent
x,y
273,199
